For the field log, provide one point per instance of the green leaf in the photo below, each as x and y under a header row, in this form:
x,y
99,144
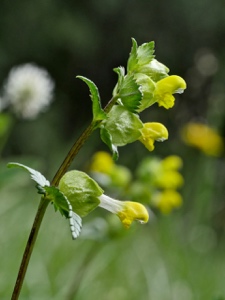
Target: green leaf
x,y
59,200
107,139
98,112
147,87
133,59
145,53
155,70
130,93
121,73
62,204
123,126
35,175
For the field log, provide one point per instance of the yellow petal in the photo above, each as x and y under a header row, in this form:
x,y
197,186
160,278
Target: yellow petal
x,y
172,84
152,132
166,87
127,211
133,211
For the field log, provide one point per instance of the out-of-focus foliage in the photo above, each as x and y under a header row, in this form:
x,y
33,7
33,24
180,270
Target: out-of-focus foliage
x,y
179,256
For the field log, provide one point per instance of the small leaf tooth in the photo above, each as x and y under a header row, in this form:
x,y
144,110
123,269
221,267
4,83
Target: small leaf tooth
x,y
72,228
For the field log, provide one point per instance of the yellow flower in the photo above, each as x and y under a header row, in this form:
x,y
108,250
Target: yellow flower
x,y
127,211
102,162
166,87
172,162
168,176
106,171
167,200
169,179
152,132
203,137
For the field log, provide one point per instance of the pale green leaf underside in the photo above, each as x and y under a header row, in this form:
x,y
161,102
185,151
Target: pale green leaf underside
x,y
35,175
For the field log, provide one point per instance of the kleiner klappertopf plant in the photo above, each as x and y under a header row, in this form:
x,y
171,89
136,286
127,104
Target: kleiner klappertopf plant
x,y
75,194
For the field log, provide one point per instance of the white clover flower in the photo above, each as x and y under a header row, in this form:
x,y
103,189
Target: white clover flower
x,y
28,90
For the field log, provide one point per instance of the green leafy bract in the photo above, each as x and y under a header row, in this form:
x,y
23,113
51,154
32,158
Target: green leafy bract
x,y
98,112
145,53
133,59
107,139
140,56
58,199
130,94
62,204
122,125
35,175
55,196
121,74
155,70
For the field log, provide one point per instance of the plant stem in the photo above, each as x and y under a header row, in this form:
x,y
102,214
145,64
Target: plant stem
x,y
72,153
44,203
29,247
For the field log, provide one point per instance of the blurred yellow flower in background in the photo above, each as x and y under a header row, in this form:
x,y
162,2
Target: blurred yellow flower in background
x,y
102,163
156,183
167,200
168,175
203,137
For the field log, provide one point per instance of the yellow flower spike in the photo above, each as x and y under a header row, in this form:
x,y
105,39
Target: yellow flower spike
x,y
152,132
166,87
102,162
127,211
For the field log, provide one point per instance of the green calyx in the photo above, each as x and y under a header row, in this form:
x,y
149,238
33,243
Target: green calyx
x,y
122,125
81,191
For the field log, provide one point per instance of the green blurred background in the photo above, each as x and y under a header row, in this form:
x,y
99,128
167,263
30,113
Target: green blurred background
x,y
180,256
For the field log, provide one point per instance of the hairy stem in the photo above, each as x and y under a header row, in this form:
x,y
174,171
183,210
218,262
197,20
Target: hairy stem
x,y
44,203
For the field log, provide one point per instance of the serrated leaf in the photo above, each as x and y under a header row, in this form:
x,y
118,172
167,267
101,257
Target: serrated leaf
x,y
121,73
107,139
35,175
98,112
62,204
58,199
75,222
130,93
133,59
145,53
